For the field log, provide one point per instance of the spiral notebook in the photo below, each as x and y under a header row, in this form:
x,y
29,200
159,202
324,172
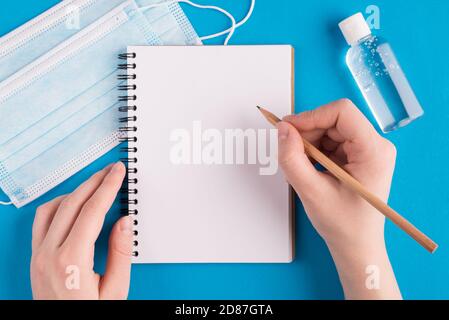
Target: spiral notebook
x,y
203,184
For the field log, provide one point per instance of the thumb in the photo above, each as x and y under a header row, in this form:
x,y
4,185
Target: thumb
x,y
298,169
115,282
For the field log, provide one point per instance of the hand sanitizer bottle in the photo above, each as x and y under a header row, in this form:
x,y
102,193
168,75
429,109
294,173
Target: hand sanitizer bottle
x,y
379,76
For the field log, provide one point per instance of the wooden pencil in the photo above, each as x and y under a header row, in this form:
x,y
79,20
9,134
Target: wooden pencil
x,y
357,187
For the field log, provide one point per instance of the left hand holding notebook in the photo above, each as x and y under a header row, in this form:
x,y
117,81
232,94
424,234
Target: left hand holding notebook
x,y
64,235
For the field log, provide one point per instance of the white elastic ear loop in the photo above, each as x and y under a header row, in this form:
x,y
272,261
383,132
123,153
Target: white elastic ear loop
x,y
226,13
5,203
238,25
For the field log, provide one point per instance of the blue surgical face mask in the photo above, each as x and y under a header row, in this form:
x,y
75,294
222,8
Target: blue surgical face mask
x,y
158,12
35,38
59,112
43,33
169,22
58,98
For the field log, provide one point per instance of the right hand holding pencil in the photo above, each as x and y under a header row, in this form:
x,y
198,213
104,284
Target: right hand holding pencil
x,y
352,228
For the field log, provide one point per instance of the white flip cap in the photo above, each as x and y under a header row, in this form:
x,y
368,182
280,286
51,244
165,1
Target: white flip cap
x,y
354,28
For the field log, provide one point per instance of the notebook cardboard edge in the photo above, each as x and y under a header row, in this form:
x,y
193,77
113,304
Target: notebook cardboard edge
x,y
292,195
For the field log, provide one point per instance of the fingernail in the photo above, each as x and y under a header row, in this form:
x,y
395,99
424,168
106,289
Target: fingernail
x,y
126,224
117,167
283,131
108,167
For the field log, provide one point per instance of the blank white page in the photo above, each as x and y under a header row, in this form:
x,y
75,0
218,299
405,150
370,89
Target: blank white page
x,y
209,213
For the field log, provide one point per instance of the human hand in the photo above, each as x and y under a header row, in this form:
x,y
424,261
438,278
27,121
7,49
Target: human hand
x,y
352,228
64,235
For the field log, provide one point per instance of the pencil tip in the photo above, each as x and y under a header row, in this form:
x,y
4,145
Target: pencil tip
x,y
258,107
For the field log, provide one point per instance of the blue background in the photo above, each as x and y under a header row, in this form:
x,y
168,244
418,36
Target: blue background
x,y
418,32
